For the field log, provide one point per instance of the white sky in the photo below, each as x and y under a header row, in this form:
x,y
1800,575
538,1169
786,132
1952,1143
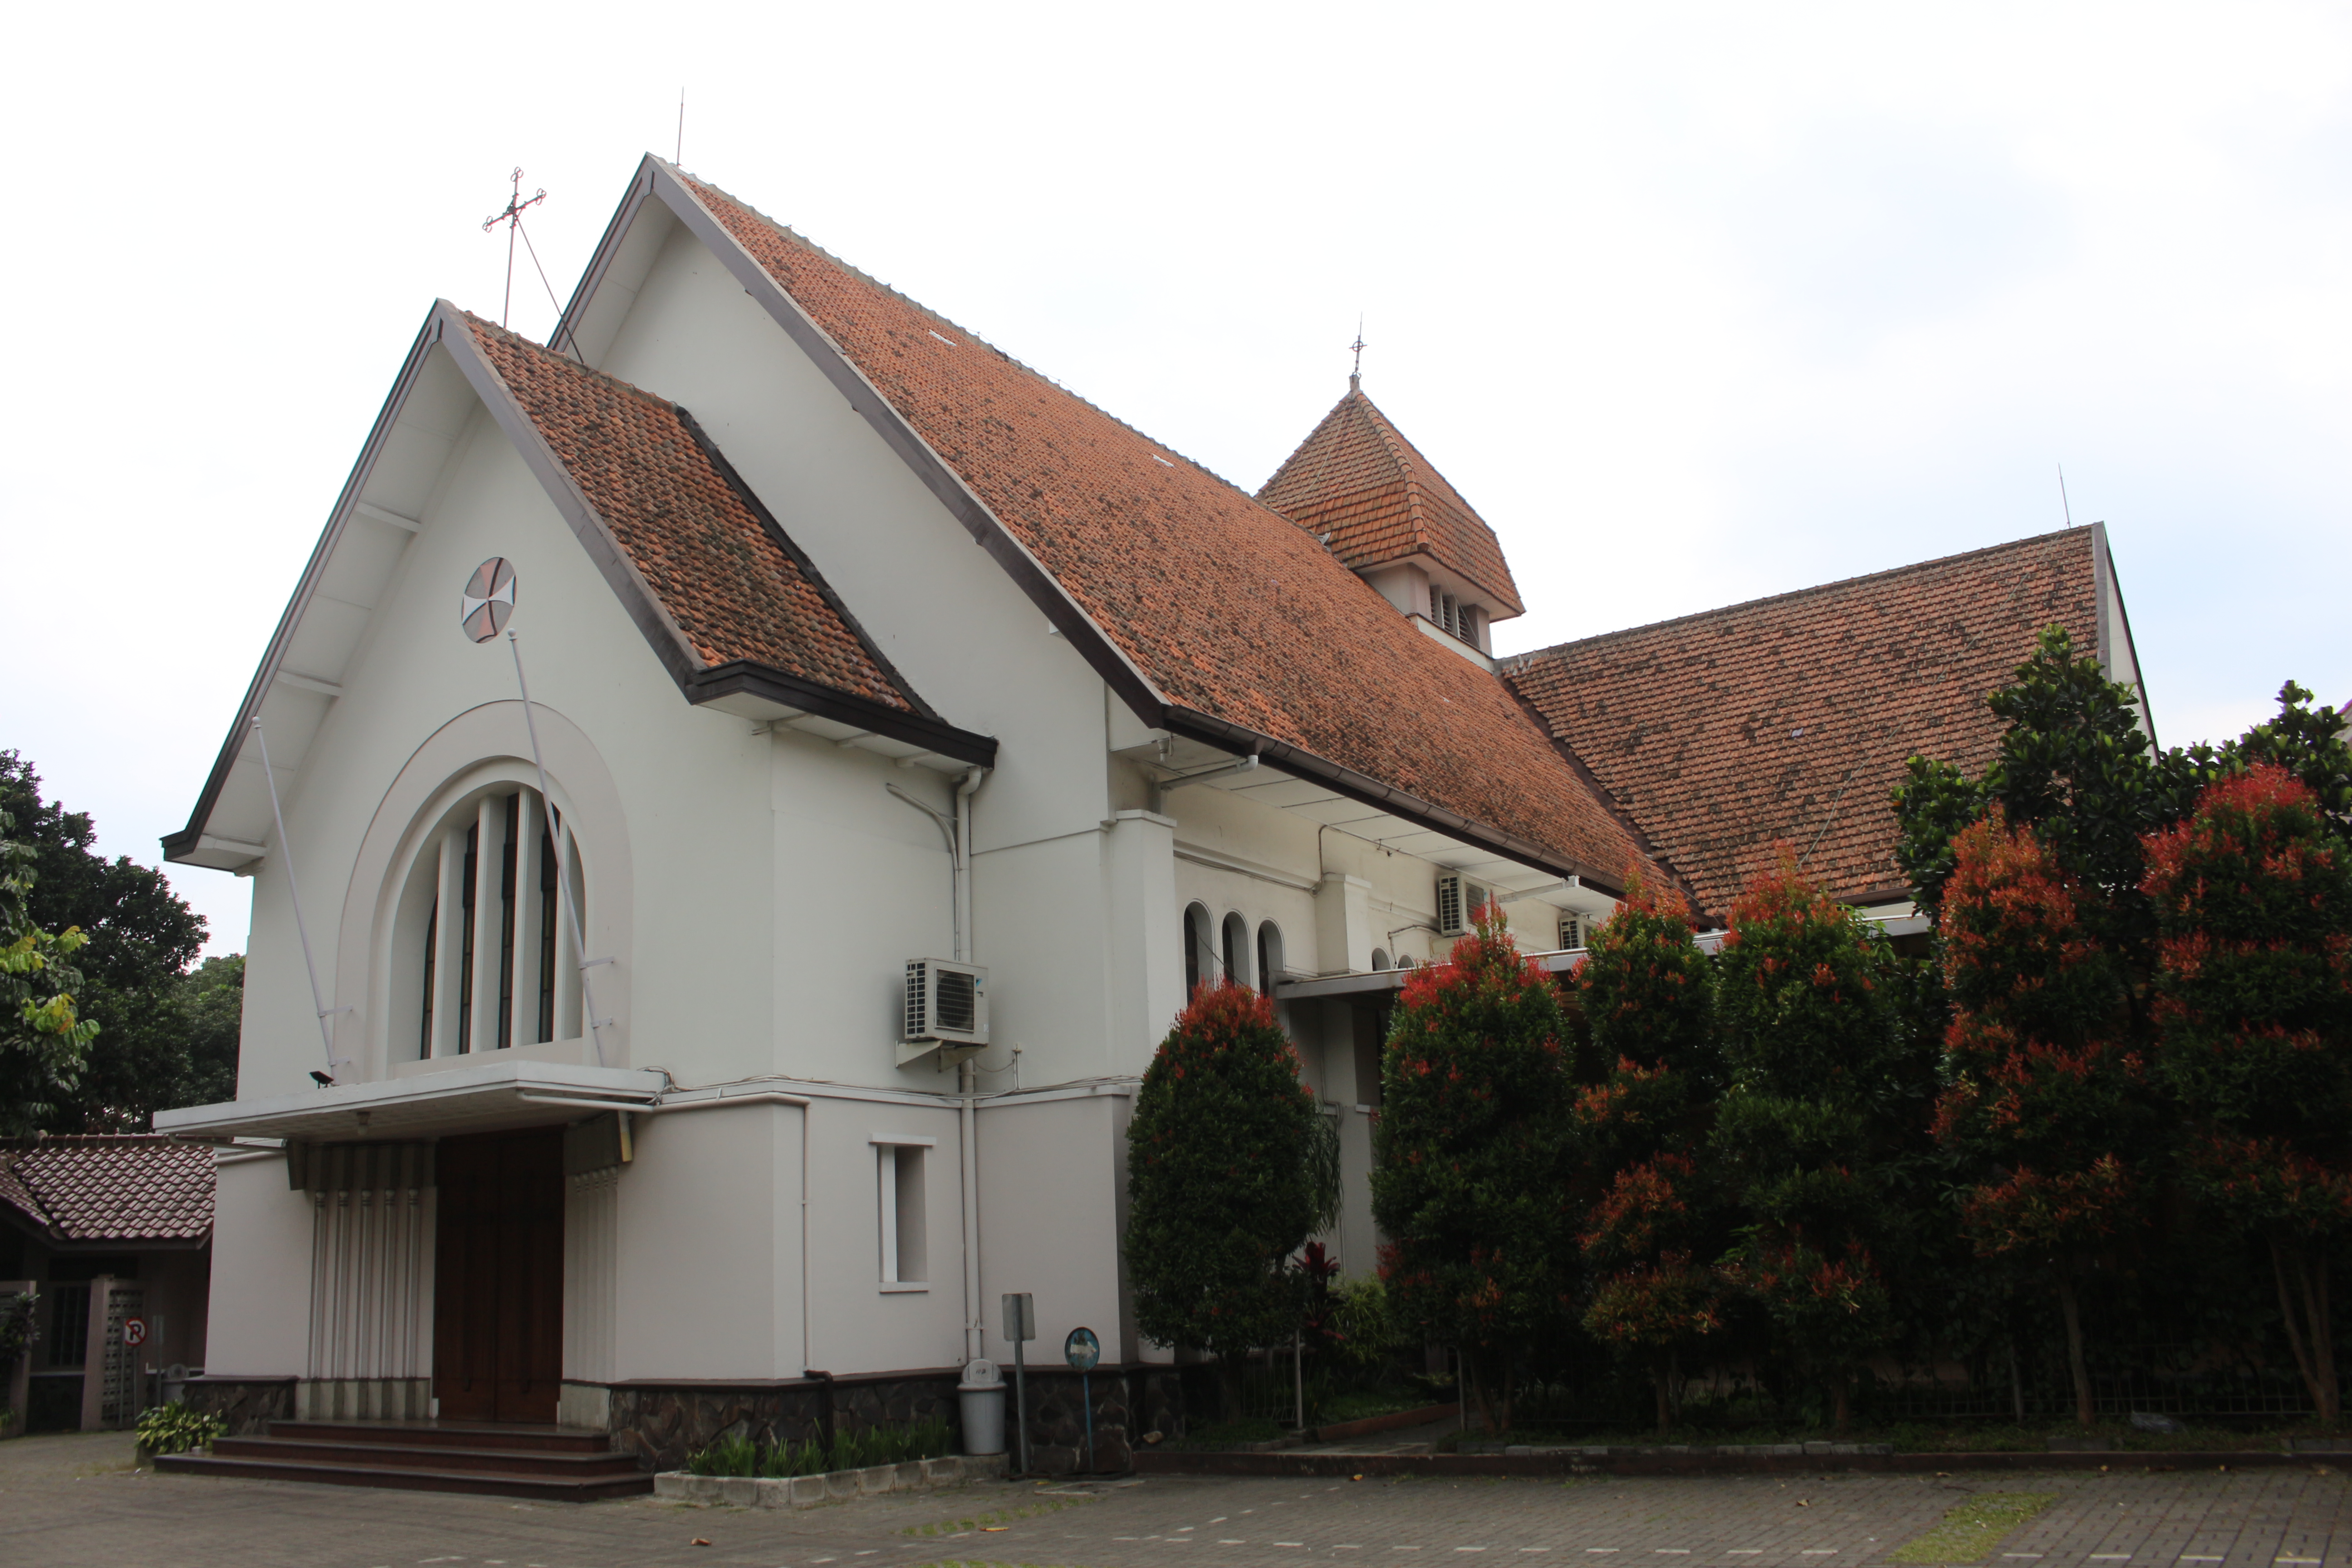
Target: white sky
x,y
1693,304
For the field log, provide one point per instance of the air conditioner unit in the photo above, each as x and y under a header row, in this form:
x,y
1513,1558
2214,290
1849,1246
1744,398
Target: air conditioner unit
x,y
947,1009
1460,902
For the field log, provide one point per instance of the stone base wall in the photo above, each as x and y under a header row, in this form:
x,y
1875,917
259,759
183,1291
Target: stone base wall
x,y
662,1423
247,1404
1127,1403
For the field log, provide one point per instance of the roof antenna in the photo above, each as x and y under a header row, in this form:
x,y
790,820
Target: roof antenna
x,y
2061,496
679,156
512,219
1356,376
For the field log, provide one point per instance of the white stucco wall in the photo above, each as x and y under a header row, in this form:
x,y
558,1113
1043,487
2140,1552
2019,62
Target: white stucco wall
x,y
259,1320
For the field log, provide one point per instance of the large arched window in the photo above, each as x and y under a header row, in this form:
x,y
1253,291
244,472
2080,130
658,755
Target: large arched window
x,y
1236,951
488,959
1270,956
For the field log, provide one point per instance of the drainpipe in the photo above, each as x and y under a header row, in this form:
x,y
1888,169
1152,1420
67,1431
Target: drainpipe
x,y
967,1071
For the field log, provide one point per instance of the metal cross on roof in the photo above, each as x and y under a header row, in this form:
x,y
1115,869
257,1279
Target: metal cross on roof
x,y
512,219
1355,376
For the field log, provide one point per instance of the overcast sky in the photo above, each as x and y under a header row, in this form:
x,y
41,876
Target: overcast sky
x,y
1693,304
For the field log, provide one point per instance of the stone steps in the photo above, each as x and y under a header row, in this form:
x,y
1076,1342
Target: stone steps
x,y
548,1463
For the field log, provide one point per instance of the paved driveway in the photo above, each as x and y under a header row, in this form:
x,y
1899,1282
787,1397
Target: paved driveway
x,y
75,1500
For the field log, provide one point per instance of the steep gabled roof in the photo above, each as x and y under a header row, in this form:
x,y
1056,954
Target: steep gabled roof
x,y
1208,612
738,588
129,1187
1790,718
1357,478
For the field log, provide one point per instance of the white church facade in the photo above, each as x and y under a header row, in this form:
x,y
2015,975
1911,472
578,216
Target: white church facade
x,y
906,736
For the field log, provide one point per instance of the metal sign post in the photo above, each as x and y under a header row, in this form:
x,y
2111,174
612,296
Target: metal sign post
x,y
1082,1350
1020,1327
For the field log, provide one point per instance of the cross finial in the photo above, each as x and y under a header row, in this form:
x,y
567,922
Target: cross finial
x,y
1356,376
512,219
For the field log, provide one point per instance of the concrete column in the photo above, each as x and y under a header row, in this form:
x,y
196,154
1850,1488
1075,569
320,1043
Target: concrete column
x,y
490,910
1343,924
449,941
93,1355
1145,935
530,819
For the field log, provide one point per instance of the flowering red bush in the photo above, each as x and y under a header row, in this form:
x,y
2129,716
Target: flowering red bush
x,y
1219,1192
1471,1184
2254,978
2049,1101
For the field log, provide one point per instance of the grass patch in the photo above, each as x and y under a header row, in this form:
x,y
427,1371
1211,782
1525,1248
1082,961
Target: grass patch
x,y
1971,1529
989,1520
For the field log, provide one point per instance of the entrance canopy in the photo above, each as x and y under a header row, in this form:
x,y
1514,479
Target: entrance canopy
x,y
487,1098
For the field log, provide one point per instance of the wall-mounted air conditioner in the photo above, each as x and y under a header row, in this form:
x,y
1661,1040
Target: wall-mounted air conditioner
x,y
947,1009
1460,902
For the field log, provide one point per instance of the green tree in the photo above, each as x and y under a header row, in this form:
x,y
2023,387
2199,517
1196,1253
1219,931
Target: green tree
x,y
1471,1180
1653,1224
1221,1190
2254,901
135,986
2048,1100
1814,1122
42,1039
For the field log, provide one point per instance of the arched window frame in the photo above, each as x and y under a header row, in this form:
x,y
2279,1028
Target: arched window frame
x,y
1270,961
1234,948
1199,951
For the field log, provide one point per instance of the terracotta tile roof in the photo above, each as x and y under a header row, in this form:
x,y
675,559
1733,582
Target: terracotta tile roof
x,y
1225,606
1791,718
736,589
1357,477
123,1187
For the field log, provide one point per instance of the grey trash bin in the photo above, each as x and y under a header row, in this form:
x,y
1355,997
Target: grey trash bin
x,y
981,1394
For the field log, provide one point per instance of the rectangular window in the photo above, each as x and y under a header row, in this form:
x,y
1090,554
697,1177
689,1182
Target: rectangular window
x,y
899,1171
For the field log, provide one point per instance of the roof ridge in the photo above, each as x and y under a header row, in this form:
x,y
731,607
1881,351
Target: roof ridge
x,y
580,366
1024,366
1393,441
1517,661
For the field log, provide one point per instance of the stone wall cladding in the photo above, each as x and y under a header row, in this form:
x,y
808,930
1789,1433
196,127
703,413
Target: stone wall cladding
x,y
248,1404
662,1423
807,1492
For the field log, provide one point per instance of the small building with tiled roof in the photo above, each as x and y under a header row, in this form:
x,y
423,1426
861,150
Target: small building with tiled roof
x,y
112,1235
905,738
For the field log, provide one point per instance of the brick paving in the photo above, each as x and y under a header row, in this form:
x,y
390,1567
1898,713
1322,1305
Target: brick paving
x,y
75,1498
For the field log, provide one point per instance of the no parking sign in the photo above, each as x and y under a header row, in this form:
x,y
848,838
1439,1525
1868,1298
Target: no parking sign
x,y
134,1330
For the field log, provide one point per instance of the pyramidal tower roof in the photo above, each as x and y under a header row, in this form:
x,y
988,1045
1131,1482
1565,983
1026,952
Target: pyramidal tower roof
x,y
1358,479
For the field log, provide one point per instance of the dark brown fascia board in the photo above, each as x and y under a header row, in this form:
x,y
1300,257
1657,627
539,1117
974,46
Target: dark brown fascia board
x,y
799,558
741,677
1043,590
1342,780
175,845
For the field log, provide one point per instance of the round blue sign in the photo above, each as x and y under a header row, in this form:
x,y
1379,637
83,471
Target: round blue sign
x,y
1082,1350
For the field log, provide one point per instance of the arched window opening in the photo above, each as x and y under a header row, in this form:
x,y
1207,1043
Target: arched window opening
x,y
496,963
1270,956
1236,950
1380,959
1199,953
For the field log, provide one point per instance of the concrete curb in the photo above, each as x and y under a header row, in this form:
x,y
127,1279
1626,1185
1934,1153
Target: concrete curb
x,y
1757,1460
833,1486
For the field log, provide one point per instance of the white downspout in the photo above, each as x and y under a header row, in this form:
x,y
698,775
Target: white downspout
x,y
968,1073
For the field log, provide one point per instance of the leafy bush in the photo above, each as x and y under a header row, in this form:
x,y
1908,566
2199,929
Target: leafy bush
x,y
174,1428
1220,1179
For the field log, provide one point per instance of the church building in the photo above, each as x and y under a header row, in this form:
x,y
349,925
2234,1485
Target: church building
x,y
906,736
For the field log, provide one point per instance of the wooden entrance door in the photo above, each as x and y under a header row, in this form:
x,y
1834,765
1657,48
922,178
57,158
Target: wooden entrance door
x,y
497,1283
